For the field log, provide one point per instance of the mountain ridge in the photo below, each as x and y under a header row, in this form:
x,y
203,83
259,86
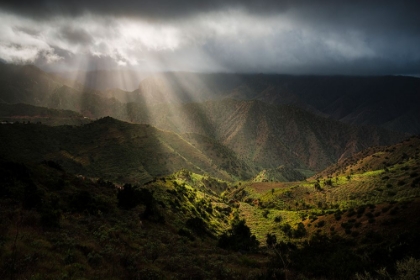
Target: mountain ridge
x,y
386,101
258,131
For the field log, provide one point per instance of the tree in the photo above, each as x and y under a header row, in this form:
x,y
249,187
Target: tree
x,y
197,225
328,182
239,237
127,197
151,212
130,197
287,229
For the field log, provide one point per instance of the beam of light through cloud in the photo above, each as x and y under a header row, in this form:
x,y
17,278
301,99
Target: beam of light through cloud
x,y
296,39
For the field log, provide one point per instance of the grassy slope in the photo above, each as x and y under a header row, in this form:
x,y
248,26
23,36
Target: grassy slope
x,y
381,176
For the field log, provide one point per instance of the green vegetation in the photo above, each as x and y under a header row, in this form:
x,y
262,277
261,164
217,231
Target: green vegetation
x,y
58,225
204,198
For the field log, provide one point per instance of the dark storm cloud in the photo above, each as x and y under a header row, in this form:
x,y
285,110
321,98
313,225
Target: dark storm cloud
x,y
144,8
300,36
406,12
379,17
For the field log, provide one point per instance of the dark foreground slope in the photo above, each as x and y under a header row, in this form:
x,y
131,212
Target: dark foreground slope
x,y
54,225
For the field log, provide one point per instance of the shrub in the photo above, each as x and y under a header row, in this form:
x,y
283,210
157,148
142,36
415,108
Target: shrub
x,y
300,231
371,206
81,201
346,225
385,209
369,215
31,196
360,211
287,229
265,213
337,216
94,259
271,240
53,164
187,233
351,213
325,258
408,268
394,211
197,225
50,213
392,193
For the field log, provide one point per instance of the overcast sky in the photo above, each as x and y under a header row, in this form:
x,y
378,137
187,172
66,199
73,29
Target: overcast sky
x,y
296,37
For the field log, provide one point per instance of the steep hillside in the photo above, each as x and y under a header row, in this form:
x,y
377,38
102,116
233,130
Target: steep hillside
x,y
115,150
267,135
28,84
377,158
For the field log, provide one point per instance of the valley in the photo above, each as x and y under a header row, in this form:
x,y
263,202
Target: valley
x,y
208,176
